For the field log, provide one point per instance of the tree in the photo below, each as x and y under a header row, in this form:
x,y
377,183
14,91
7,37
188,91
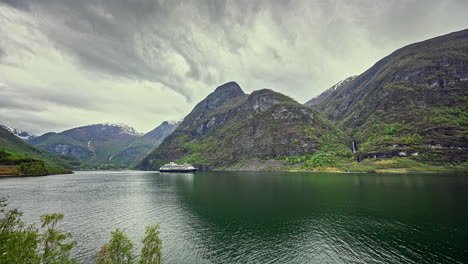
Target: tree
x,y
53,242
24,167
152,245
120,248
4,155
103,256
18,243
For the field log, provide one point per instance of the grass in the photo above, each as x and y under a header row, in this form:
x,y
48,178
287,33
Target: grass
x,y
16,164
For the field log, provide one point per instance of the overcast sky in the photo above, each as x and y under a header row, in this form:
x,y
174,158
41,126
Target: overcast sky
x,y
68,63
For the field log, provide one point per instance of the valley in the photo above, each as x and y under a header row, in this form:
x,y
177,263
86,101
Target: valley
x,y
407,113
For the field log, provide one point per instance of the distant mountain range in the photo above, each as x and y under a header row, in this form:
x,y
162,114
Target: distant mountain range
x,y
99,144
104,143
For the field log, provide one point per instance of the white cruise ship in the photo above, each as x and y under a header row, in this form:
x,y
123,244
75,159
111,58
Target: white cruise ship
x,y
174,167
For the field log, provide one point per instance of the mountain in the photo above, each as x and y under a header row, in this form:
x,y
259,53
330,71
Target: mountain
x,y
411,103
229,127
11,143
19,133
138,149
320,98
94,144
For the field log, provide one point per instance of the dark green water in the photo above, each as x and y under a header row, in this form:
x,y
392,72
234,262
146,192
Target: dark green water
x,y
221,217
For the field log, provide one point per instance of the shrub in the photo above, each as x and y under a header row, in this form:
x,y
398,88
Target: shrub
x,y
457,116
412,139
321,160
392,129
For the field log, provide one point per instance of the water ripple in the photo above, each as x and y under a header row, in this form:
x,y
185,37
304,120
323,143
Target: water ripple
x,y
259,218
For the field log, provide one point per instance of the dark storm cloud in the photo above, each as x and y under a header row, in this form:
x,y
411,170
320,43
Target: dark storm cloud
x,y
103,35
19,4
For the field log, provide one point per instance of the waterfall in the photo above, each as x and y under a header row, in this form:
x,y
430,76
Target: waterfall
x,y
354,148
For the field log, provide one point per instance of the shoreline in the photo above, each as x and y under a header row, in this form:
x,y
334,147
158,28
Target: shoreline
x,y
9,171
393,171
397,166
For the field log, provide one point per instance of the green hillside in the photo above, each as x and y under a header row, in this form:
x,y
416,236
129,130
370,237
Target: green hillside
x,y
11,143
15,164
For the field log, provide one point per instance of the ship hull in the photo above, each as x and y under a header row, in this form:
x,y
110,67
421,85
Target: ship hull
x,y
178,171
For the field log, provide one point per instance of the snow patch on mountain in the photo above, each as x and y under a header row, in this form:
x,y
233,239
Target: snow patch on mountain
x,y
19,133
342,82
319,98
124,128
173,122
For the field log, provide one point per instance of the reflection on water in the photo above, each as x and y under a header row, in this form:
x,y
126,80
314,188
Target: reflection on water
x,y
232,217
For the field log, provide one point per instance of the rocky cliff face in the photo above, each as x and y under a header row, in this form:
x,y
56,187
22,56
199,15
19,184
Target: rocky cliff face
x,y
413,102
229,126
222,95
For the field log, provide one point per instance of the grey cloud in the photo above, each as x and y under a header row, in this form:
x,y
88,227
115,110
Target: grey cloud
x,y
30,123
19,4
12,103
36,98
104,43
102,36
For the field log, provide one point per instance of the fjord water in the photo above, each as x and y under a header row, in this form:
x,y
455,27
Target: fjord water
x,y
240,217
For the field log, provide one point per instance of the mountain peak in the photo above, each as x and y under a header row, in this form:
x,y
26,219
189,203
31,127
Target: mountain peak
x,y
261,100
221,95
123,128
228,87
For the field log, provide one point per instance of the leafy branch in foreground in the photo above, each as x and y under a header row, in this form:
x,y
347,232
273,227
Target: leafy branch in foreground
x,y
119,248
152,246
